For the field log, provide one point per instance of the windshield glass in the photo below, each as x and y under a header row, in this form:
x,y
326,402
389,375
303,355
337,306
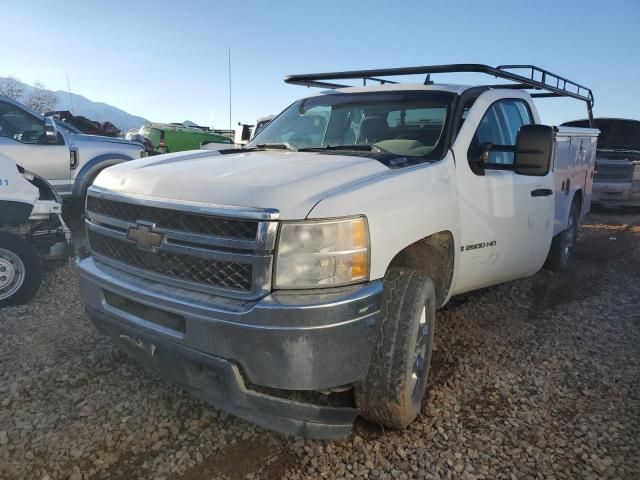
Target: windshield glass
x,y
407,123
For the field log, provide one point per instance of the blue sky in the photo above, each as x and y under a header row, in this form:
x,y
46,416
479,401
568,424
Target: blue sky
x,y
167,60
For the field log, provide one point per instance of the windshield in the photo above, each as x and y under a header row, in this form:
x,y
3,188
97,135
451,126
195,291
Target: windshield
x,y
407,123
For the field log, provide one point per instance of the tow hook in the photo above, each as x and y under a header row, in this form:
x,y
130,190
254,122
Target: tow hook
x,y
136,342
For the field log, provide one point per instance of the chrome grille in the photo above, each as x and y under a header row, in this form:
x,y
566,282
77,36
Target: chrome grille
x,y
197,247
207,271
614,172
174,220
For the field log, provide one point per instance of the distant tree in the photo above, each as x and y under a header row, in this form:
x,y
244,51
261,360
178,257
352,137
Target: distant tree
x,y
40,99
12,88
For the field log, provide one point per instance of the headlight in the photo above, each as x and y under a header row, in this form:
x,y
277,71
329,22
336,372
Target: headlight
x,y
322,253
636,171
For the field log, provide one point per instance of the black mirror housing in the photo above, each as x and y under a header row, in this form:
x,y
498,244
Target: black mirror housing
x,y
50,130
533,150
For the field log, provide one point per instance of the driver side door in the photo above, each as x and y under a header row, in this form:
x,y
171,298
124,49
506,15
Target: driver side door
x,y
22,137
506,218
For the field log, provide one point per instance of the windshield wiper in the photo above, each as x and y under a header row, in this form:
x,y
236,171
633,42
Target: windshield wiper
x,y
363,147
277,146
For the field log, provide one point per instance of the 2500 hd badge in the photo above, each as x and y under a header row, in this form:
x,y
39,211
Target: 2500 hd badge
x,y
478,245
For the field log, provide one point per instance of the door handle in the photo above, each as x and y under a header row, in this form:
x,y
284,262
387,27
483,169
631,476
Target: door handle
x,y
541,192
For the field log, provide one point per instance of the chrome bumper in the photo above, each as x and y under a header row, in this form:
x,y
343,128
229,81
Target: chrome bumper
x,y
616,193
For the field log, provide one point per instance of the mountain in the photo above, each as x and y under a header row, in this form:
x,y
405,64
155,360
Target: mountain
x,y
102,112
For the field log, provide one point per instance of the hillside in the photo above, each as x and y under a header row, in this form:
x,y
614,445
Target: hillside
x,y
102,112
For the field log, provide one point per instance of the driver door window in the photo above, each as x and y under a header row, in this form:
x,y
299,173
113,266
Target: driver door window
x,y
500,126
20,125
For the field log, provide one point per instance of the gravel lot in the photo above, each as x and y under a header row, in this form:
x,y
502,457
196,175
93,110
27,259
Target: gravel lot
x,y
538,378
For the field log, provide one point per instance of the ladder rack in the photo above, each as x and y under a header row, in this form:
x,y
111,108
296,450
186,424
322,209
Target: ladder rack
x,y
534,78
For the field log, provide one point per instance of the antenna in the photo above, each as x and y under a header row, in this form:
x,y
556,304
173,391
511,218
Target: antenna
x,y
229,89
70,97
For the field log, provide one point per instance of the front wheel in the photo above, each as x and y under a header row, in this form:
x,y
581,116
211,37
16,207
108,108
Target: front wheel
x,y
392,393
20,270
563,244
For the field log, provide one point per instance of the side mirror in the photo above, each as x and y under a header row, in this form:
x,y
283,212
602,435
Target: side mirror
x,y
533,150
246,133
50,130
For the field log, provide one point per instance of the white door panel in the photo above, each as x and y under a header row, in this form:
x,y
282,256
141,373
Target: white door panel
x,y
506,231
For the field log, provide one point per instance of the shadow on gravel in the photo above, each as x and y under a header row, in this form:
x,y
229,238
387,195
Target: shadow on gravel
x,y
245,457
483,410
443,367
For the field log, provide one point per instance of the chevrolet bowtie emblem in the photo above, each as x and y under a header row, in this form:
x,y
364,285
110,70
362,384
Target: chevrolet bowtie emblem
x,y
144,237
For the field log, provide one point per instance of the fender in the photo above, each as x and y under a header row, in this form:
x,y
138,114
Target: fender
x,y
402,208
90,169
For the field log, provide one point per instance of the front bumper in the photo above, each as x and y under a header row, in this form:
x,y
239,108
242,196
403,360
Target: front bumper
x,y
225,350
616,194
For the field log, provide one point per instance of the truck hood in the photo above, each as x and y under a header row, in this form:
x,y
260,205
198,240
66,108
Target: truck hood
x,y
82,137
292,182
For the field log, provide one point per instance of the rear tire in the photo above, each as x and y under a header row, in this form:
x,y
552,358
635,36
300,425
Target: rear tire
x,y
563,244
20,270
392,393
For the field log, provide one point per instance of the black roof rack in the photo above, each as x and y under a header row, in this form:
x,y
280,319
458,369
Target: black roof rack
x,y
536,78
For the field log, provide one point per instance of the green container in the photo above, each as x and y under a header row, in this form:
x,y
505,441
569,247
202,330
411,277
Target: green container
x,y
167,138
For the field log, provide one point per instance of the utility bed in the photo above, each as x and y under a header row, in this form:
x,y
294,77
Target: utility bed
x,y
573,165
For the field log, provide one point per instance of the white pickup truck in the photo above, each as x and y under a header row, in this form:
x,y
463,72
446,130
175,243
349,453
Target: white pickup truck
x,y
59,152
295,282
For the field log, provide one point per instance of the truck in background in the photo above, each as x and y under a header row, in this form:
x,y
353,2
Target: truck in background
x,y
616,182
58,152
295,282
242,134
176,137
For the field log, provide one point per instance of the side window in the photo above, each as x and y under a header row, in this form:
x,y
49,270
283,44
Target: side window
x,y
20,125
500,126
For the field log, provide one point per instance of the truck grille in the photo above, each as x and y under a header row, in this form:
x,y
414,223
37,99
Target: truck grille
x,y
173,219
194,248
206,271
614,172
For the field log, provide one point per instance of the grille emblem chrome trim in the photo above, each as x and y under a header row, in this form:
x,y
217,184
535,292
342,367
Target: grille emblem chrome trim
x,y
144,237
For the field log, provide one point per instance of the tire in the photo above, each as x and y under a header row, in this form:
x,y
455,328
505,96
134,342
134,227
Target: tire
x,y
392,393
562,245
20,270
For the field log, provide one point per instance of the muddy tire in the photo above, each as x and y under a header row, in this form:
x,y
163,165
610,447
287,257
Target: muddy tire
x,y
393,391
20,270
563,244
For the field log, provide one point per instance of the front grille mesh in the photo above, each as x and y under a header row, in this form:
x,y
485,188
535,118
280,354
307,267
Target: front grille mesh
x,y
206,271
614,172
174,220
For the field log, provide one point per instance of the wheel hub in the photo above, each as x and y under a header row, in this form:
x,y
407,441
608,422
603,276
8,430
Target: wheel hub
x,y
11,273
420,352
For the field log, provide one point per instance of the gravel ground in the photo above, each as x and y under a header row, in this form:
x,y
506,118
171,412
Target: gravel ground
x,y
537,378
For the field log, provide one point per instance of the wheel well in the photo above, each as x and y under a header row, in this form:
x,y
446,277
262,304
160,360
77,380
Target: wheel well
x,y
432,256
87,173
577,197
